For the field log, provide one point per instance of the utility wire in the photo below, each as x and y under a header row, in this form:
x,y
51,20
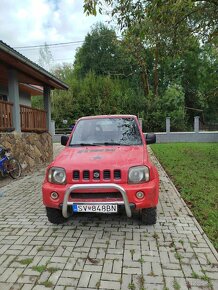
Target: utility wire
x,y
53,44
58,43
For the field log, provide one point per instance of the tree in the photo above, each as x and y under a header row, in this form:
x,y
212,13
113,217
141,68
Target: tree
x,y
45,57
169,16
171,104
103,54
166,27
92,95
153,71
175,42
45,61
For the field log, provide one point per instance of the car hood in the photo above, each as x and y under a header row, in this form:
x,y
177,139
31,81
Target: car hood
x,y
101,157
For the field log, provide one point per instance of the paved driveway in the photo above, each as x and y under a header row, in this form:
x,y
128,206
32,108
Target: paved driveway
x,y
101,251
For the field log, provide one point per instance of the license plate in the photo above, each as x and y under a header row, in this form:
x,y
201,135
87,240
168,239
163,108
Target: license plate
x,y
104,208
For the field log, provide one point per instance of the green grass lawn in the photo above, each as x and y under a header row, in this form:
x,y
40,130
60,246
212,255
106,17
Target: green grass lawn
x,y
193,168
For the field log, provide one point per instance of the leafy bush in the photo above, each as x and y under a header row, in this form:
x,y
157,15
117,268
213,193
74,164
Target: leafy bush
x,y
171,104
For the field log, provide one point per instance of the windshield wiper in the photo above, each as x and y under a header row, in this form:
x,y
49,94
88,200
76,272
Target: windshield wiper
x,y
100,144
112,143
84,144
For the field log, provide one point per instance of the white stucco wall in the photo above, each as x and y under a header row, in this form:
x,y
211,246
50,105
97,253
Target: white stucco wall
x,y
25,98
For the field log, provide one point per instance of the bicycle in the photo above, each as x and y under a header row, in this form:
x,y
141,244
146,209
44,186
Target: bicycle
x,y
8,164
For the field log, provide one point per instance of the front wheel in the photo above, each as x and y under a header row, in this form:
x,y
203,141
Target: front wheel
x,y
55,216
149,216
14,168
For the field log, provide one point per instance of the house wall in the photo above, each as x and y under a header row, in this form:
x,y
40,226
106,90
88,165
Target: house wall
x,y
25,98
3,91
31,149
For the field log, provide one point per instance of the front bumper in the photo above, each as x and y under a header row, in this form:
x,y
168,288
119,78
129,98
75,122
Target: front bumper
x,y
96,186
127,200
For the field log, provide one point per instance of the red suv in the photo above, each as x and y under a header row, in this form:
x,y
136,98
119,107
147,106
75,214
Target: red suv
x,y
104,167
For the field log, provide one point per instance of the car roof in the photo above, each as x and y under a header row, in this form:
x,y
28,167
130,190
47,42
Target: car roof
x,y
107,116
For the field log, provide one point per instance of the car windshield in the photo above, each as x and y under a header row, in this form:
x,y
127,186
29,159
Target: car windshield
x,y
106,131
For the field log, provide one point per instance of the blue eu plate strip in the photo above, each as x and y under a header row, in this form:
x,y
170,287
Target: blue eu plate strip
x,y
75,208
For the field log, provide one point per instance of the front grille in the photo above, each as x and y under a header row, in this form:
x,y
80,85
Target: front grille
x,y
76,174
106,174
98,195
117,174
97,174
86,174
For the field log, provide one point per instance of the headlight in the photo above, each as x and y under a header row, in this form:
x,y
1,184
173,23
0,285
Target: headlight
x,y
138,174
57,175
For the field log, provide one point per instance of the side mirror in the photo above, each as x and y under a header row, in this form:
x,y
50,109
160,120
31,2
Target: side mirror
x,y
150,138
64,140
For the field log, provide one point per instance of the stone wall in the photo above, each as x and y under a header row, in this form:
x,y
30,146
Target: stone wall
x,y
31,149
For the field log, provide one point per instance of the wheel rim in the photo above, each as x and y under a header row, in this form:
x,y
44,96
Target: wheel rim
x,y
14,168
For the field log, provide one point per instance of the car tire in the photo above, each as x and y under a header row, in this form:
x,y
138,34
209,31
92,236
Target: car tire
x,y
55,216
149,216
14,168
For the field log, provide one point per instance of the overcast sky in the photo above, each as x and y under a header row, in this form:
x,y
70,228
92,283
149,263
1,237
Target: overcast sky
x,y
34,22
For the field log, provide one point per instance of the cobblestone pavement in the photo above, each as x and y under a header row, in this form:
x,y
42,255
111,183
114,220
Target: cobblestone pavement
x,y
101,251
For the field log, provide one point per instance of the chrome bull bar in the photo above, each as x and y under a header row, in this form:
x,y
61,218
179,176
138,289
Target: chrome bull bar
x,y
95,186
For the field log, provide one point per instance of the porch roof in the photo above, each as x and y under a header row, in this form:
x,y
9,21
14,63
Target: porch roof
x,y
28,71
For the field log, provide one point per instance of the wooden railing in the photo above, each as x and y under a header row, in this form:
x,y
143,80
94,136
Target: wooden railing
x,y
32,120
6,123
